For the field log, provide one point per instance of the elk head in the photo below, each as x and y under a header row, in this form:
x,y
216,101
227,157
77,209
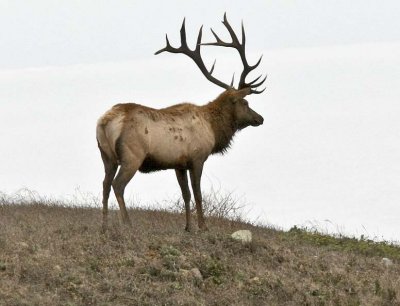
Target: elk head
x,y
233,102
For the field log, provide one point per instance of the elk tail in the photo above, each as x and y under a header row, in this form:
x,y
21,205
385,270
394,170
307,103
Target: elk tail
x,y
104,142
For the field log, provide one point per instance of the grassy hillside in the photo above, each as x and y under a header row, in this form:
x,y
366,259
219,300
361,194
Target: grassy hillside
x,y
55,255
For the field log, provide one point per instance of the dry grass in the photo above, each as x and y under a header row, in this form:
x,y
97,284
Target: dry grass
x,y
56,255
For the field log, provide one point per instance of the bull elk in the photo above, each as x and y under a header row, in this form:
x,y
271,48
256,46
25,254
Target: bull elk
x,y
135,137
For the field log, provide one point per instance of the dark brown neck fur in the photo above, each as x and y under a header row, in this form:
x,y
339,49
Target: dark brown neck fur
x,y
220,115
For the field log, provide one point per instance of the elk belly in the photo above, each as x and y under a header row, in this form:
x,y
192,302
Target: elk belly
x,y
168,149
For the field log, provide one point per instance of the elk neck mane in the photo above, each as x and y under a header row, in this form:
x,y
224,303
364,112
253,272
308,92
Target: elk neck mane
x,y
220,116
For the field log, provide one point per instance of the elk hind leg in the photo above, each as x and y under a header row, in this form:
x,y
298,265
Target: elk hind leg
x,y
182,177
110,168
128,168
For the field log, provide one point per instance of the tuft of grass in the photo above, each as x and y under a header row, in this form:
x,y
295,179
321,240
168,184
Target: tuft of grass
x,y
361,246
213,268
216,204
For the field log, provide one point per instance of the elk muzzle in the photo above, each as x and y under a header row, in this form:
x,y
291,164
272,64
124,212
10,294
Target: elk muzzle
x,y
257,119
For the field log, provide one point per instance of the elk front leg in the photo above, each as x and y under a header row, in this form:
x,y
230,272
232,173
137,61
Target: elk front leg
x,y
195,178
182,177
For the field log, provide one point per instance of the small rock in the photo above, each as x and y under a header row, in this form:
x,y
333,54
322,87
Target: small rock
x,y
387,262
57,268
243,235
255,280
196,273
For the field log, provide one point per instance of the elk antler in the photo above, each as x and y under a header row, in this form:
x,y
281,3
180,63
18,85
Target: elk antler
x,y
240,47
194,55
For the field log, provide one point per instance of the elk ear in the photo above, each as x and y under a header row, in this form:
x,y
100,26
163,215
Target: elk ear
x,y
243,92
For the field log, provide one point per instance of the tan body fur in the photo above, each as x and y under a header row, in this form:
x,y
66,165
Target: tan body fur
x,y
168,138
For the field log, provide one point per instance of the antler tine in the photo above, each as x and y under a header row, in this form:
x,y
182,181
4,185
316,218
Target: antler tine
x,y
195,55
258,62
255,80
253,91
199,36
212,68
243,35
168,46
183,35
219,40
253,83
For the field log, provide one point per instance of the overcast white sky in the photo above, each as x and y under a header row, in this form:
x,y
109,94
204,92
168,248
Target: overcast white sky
x,y
328,150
